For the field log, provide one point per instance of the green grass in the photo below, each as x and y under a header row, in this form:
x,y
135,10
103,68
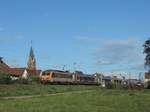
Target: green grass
x,y
97,101
39,89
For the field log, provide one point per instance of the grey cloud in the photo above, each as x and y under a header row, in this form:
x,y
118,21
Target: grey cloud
x,y
103,62
139,66
115,54
117,51
86,39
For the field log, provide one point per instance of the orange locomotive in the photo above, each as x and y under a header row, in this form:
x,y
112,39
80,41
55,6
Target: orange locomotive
x,y
57,76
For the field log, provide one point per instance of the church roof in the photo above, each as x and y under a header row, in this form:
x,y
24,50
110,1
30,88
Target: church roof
x,y
31,53
31,60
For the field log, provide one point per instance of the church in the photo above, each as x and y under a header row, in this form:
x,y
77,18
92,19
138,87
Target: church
x,y
25,72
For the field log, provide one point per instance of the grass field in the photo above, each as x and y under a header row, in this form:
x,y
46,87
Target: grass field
x,y
39,89
100,100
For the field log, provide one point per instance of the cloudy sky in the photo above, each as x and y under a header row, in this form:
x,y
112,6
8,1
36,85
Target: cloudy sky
x,y
88,35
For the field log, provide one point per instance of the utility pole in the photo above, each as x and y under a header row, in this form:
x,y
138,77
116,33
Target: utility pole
x,y
101,78
140,74
129,79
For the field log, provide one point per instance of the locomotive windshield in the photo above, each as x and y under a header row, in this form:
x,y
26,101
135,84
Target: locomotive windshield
x,y
45,73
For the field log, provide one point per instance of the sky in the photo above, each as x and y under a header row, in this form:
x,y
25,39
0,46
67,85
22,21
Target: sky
x,y
88,35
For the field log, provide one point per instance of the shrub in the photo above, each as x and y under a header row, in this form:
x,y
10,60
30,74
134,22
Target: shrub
x,y
23,81
148,85
5,78
110,85
34,79
29,80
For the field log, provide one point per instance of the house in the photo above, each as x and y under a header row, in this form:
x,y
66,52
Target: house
x,y
21,72
18,72
116,80
147,80
112,79
147,77
31,72
24,72
4,68
107,79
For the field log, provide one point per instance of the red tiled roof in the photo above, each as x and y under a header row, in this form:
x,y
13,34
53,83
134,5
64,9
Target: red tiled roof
x,y
20,71
33,71
3,64
16,71
4,68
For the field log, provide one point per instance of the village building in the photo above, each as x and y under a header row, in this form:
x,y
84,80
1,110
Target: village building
x,y
21,72
107,79
147,79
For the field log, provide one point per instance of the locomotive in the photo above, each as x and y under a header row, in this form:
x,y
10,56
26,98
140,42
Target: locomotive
x,y
66,77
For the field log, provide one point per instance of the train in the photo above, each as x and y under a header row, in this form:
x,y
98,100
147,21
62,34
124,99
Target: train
x,y
66,77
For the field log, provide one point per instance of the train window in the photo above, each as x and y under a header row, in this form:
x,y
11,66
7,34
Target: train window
x,y
60,75
45,73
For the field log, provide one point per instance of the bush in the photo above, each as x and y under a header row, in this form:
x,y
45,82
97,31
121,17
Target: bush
x,y
22,81
34,79
110,85
5,78
29,80
148,85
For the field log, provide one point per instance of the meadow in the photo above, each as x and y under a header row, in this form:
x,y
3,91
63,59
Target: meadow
x,y
98,100
7,90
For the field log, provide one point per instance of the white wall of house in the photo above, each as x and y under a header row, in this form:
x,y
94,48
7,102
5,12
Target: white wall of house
x,y
13,78
25,74
41,73
146,80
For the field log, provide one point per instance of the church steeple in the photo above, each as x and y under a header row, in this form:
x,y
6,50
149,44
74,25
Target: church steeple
x,y
31,60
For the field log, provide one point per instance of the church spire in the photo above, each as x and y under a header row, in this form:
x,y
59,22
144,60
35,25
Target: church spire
x,y
31,60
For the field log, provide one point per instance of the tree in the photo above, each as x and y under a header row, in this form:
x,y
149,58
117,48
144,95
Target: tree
x,y
5,78
147,52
